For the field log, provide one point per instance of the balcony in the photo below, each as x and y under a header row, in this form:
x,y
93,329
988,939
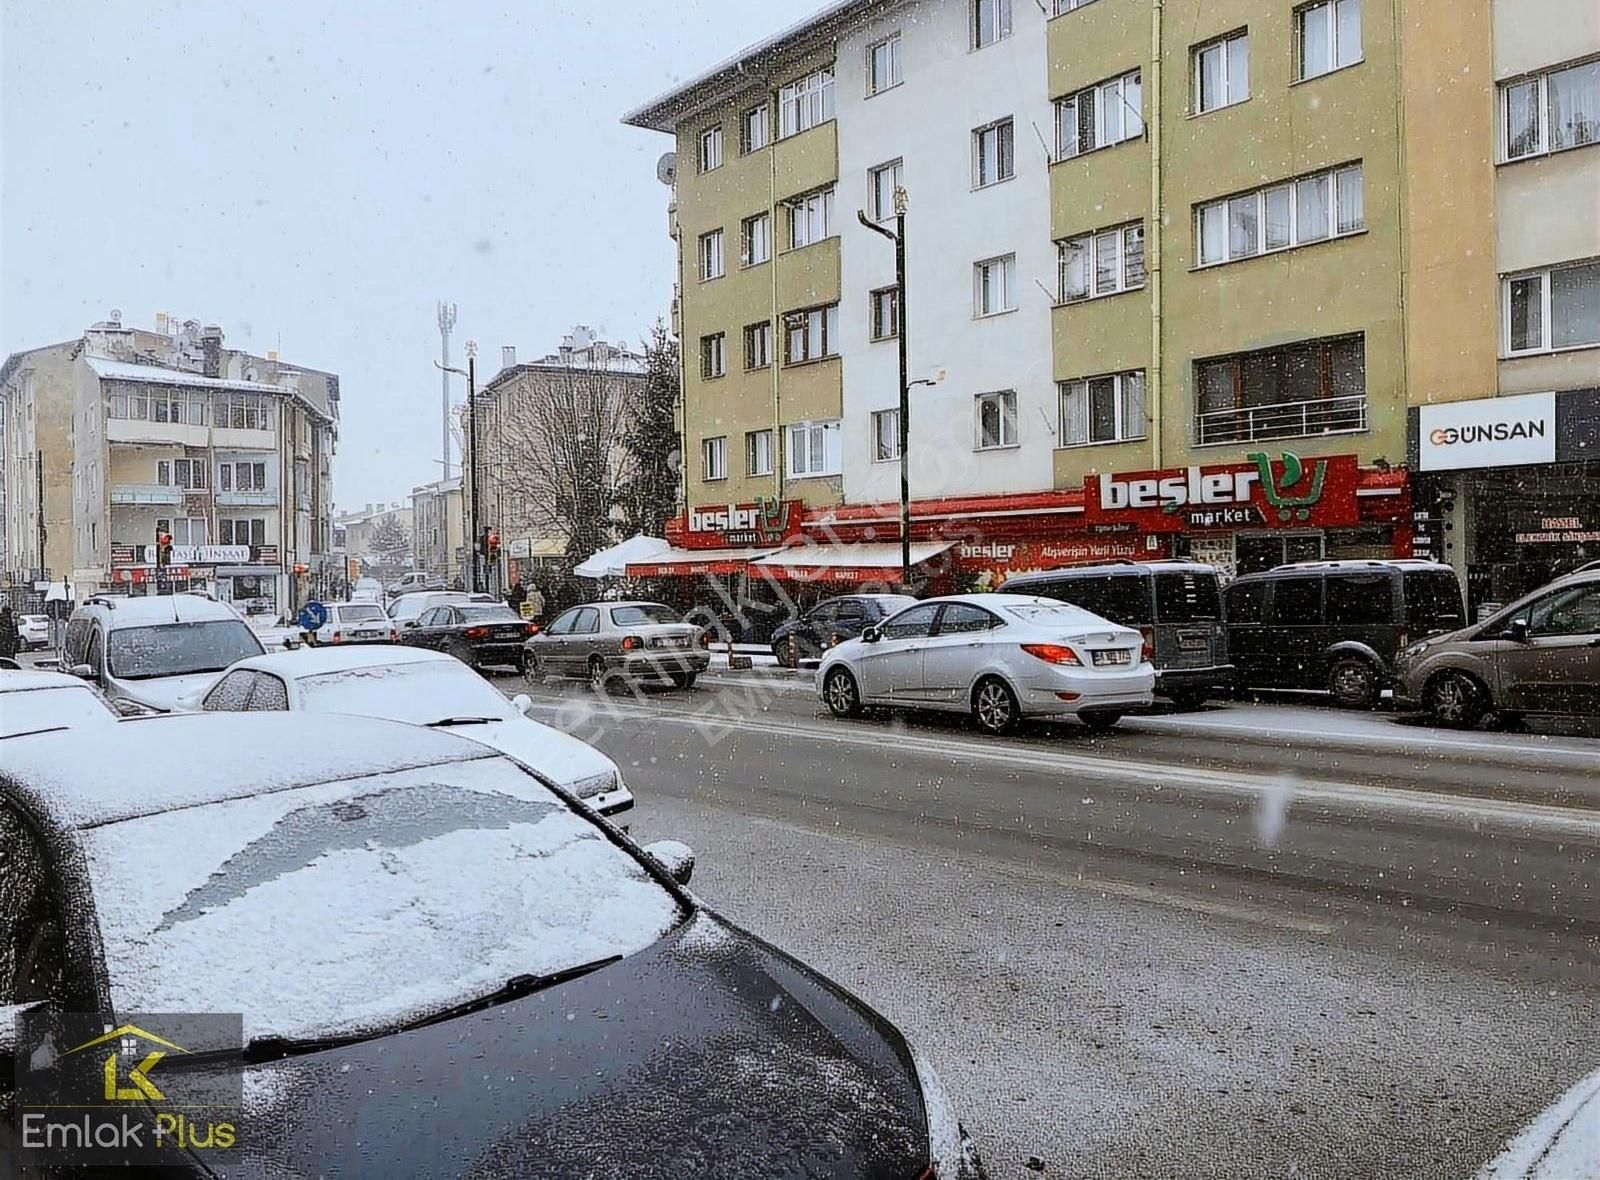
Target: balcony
x,y
145,493
1311,419
247,499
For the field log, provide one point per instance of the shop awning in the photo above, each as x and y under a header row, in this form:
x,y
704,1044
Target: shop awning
x,y
688,563
613,562
864,562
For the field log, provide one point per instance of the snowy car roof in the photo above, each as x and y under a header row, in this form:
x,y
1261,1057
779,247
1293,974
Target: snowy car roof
x,y
320,661
27,680
189,760
155,609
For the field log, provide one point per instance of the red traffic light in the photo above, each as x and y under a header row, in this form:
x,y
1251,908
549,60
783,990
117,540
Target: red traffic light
x,y
494,542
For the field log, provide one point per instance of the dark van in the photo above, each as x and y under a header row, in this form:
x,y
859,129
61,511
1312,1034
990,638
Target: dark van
x,y
1337,625
1176,605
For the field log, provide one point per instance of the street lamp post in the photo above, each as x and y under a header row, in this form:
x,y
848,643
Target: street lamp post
x,y
898,237
473,540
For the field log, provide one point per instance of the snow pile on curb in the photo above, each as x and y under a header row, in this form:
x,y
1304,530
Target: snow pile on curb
x,y
1562,1143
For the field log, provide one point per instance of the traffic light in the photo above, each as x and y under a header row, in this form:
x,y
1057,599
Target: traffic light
x,y
491,544
163,549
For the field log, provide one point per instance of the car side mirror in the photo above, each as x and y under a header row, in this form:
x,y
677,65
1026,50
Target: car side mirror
x,y
523,704
1517,630
675,858
411,624
871,635
83,671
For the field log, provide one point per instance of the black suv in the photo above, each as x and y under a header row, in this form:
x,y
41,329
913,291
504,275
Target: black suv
x,y
1175,605
832,621
1337,625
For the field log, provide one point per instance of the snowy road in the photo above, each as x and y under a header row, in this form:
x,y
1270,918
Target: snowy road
x,y
1183,950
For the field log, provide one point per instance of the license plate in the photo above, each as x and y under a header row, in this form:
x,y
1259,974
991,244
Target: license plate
x,y
1192,642
1115,656
673,641
367,634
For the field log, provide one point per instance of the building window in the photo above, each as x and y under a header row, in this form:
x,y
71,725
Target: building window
x,y
810,218
190,530
758,452
1327,37
714,457
883,64
805,103
1065,6
713,355
813,449
993,157
1104,263
811,335
1301,390
711,255
244,477
1550,310
1102,409
1222,72
755,239
711,148
1100,116
242,531
885,436
753,129
189,474
1300,212
996,420
881,184
885,310
757,345
991,21
994,286
1552,112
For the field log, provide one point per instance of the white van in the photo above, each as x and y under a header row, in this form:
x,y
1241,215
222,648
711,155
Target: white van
x,y
144,653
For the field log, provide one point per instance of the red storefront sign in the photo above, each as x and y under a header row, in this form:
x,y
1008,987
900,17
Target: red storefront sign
x,y
674,569
140,575
732,526
1272,491
1001,559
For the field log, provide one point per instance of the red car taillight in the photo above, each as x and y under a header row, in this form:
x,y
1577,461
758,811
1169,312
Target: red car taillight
x,y
1052,653
533,628
475,632
1148,651
632,643
337,637
705,639
394,637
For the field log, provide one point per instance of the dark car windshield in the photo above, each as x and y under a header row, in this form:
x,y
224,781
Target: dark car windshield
x,y
1433,601
1188,597
178,649
644,615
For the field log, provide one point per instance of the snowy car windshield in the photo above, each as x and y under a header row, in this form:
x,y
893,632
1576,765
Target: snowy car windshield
x,y
419,693
450,880
178,649
47,708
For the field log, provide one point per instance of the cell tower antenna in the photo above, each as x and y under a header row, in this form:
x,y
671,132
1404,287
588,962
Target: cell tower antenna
x,y
447,321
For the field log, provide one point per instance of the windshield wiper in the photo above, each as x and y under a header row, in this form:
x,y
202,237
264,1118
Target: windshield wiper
x,y
447,722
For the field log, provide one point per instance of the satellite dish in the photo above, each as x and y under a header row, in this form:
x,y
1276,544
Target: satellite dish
x,y
667,168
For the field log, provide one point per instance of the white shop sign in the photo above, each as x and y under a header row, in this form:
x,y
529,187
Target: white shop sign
x,y
1488,432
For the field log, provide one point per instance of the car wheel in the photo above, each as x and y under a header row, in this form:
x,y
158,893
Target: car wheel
x,y
995,707
683,679
1353,683
841,694
599,677
1455,699
1100,721
1189,699
787,650
531,671
461,652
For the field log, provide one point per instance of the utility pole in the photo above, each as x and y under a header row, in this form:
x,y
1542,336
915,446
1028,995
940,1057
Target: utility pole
x,y
447,321
472,446
44,532
898,237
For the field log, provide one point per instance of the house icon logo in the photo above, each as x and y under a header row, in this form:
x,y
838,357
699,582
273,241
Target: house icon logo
x,y
127,1043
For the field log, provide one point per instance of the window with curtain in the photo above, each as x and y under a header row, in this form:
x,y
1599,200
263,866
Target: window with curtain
x,y
1104,409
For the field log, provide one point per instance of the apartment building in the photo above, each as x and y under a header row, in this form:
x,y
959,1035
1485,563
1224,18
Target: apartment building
x,y
1175,273
438,529
127,433
363,527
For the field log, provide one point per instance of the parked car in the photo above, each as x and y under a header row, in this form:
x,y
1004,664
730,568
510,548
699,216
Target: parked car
x,y
1337,625
367,590
34,630
145,653
355,622
1541,654
479,634
411,606
33,701
831,621
1001,657
395,899
415,580
421,688
635,641
1175,605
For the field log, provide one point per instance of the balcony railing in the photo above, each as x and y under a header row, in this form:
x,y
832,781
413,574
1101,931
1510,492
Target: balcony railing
x,y
145,493
248,499
1329,415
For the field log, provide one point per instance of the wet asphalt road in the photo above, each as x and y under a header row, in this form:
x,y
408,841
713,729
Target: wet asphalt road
x,y
1196,947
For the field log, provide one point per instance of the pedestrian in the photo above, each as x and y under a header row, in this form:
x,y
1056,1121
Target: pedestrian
x,y
516,596
10,637
537,598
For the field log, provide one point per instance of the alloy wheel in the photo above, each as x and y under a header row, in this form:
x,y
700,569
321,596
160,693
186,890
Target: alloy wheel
x,y
994,706
841,693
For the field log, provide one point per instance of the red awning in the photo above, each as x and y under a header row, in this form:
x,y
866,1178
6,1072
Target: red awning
x,y
688,563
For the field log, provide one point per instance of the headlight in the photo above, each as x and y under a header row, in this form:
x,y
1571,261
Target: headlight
x,y
595,784
1415,650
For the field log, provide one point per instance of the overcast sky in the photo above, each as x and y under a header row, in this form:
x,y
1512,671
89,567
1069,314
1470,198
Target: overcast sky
x,y
315,177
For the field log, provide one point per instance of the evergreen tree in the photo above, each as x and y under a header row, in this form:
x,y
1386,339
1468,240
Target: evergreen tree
x,y
650,494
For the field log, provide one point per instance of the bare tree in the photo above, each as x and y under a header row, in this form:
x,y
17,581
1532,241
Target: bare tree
x,y
555,452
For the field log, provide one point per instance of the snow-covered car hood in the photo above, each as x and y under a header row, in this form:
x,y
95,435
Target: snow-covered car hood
x,y
558,756
1562,1142
165,692
708,1053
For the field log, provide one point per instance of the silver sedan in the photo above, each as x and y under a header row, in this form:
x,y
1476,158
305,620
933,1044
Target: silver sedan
x,y
605,641
1000,657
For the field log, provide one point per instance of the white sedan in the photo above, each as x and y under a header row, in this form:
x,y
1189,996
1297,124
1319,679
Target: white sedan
x,y
34,701
1000,657
421,687
355,622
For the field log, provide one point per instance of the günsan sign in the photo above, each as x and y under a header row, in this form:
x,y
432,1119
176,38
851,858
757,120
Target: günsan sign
x,y
765,522
1269,491
1488,432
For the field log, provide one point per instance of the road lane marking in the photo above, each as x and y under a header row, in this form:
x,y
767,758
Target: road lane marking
x,y
1572,823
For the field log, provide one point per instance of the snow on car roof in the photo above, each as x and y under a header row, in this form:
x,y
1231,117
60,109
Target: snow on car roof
x,y
155,609
28,680
189,760
319,661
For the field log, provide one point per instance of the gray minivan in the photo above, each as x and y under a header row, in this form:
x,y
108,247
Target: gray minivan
x,y
1175,605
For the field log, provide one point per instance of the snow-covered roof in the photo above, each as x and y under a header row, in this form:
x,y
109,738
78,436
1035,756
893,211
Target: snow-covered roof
x,y
27,680
111,370
152,609
320,661
192,759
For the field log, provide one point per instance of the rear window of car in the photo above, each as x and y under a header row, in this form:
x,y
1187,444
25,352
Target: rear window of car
x,y
361,613
1050,615
643,616
1119,598
1433,601
488,614
1187,597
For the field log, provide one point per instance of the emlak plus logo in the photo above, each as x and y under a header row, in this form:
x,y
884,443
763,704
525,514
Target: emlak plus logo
x,y
93,1094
